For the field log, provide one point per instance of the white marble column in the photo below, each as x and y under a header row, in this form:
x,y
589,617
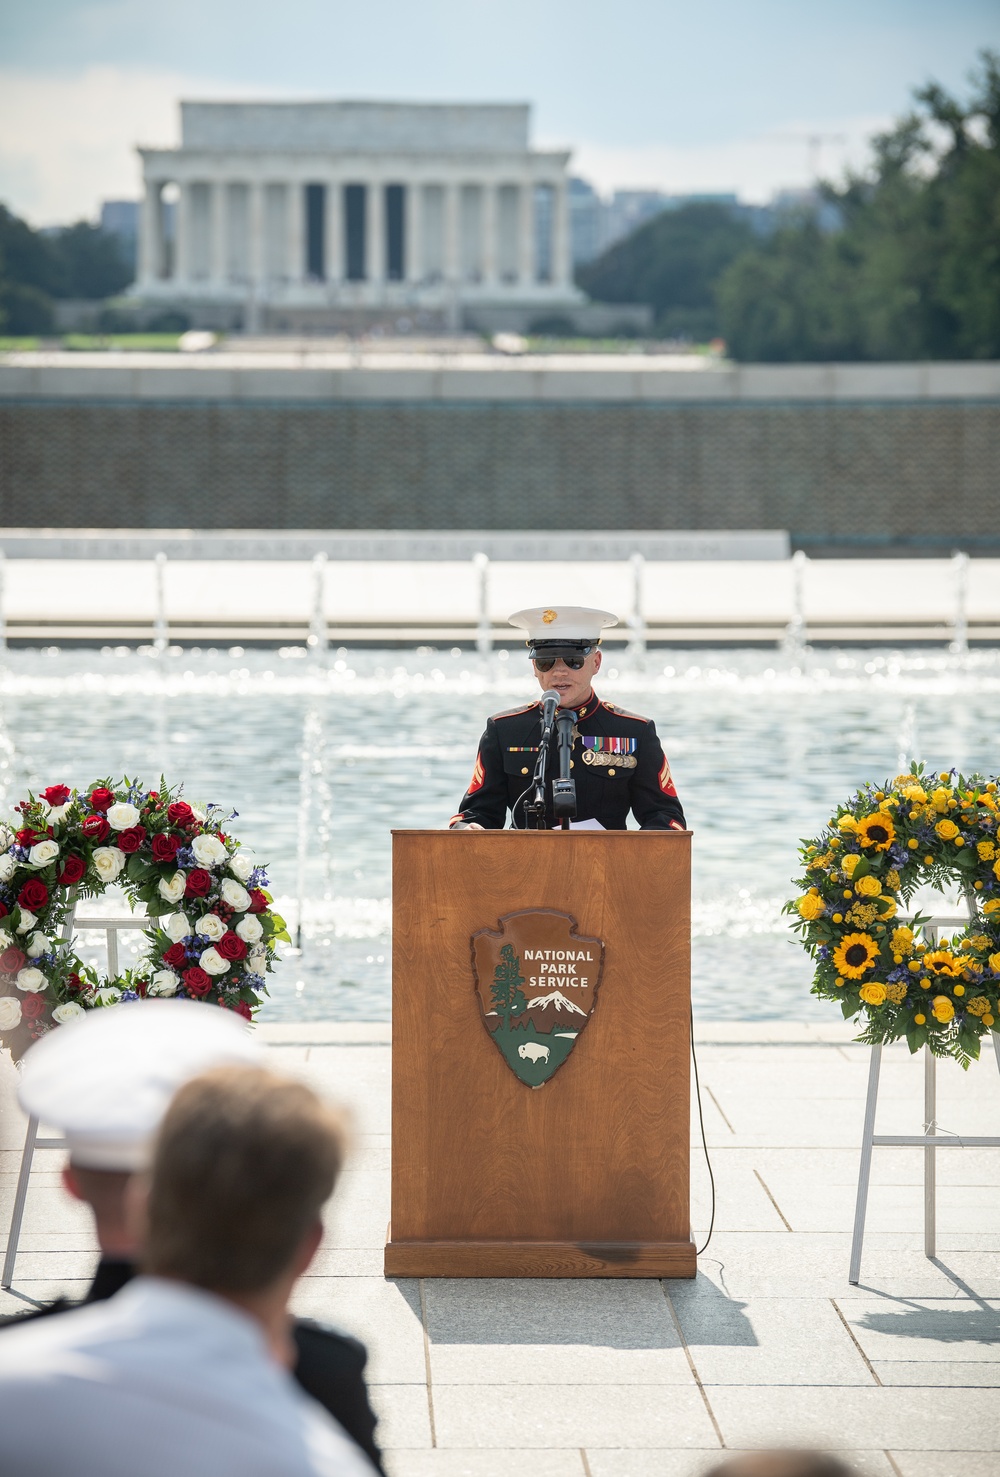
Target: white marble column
x,y
413,246
562,270
489,226
526,235
217,231
255,222
296,232
151,234
182,234
452,266
336,268
375,234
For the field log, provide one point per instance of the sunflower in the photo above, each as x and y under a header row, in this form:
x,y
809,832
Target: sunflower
x,y
855,955
877,831
943,962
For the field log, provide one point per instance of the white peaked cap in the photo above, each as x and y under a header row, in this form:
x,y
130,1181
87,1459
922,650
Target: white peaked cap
x,y
563,622
106,1079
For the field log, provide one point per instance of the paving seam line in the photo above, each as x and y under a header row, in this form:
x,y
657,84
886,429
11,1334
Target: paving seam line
x,y
718,1108
893,1463
427,1362
853,1338
691,1365
586,1465
773,1201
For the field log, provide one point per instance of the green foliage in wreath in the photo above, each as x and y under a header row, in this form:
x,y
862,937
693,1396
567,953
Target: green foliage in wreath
x,y
211,931
871,856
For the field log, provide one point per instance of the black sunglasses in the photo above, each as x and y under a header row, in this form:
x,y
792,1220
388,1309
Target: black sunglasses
x,y
546,663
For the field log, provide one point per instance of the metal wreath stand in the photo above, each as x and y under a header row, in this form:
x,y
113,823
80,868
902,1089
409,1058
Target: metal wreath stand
x,y
111,928
930,1140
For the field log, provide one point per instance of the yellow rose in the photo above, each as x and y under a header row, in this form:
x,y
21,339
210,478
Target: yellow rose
x,y
850,863
942,1009
993,906
994,962
940,799
947,830
916,793
810,907
996,873
888,906
868,886
847,823
873,993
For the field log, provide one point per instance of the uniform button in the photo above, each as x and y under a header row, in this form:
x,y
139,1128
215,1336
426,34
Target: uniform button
x,y
572,763
610,773
524,770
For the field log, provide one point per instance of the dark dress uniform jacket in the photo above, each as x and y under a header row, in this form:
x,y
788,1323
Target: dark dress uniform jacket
x,y
329,1364
618,765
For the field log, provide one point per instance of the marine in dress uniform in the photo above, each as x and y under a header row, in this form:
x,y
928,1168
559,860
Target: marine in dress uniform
x,y
618,761
105,1082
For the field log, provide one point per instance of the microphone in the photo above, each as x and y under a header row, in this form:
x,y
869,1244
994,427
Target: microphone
x,y
550,703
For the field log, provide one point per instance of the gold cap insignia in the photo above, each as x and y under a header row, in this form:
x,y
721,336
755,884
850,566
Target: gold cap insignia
x,y
549,616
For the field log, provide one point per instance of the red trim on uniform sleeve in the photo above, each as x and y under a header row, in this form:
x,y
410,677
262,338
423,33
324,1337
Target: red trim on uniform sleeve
x,y
666,780
455,820
675,826
478,776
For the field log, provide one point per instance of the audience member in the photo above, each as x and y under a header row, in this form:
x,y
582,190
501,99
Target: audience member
x,y
187,1368
781,1464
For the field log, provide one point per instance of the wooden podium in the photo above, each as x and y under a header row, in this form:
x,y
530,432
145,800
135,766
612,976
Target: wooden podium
x,y
585,1175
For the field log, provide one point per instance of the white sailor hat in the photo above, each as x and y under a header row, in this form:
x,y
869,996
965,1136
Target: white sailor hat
x,y
106,1079
552,630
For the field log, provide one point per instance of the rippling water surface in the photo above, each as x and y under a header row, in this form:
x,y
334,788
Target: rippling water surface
x,y
322,757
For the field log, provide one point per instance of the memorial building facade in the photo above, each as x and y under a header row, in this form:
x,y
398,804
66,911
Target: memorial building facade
x,y
329,215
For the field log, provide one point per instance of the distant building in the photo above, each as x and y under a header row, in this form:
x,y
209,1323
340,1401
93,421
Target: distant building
x,y
596,224
327,215
586,222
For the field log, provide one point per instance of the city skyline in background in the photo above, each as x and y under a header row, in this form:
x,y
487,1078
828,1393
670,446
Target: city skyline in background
x,y
673,105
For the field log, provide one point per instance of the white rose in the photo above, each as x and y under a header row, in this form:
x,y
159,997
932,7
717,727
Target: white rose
x,y
38,944
28,921
8,866
176,927
236,896
164,982
122,817
108,862
108,996
42,853
55,812
241,866
30,979
249,929
210,927
172,890
67,1012
199,815
5,940
209,851
212,962
10,1012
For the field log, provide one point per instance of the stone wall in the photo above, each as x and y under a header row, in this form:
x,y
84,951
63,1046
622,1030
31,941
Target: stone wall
x,y
923,473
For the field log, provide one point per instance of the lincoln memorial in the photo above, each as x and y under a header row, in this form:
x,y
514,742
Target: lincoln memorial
x,y
326,215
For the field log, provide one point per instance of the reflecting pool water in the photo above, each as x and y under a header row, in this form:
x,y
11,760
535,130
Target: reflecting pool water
x,y
322,756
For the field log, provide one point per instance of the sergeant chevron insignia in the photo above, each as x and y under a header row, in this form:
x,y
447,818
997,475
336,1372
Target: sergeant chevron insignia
x,y
536,982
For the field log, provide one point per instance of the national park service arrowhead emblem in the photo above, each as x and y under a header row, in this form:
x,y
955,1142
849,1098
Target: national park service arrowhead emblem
x,y
536,982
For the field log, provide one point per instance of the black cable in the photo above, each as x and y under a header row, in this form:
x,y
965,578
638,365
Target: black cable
x,y
704,1140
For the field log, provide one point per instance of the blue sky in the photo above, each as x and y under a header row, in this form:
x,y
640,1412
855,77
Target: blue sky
x,y
713,95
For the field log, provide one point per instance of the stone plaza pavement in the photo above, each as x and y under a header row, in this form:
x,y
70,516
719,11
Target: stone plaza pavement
x,y
769,1346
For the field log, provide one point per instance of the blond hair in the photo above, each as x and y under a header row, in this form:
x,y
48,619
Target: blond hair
x,y
244,1162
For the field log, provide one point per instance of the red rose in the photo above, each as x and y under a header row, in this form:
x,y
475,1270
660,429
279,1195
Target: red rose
x,y
179,813
56,794
73,869
33,1007
4,910
130,840
27,837
243,1009
33,895
175,955
198,883
95,828
12,959
258,902
230,946
102,798
196,981
74,982
165,846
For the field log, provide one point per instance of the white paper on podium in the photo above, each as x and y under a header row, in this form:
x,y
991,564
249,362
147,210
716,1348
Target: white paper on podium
x,y
590,825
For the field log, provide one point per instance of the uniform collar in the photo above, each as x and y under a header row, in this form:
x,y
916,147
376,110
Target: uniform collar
x,y
590,707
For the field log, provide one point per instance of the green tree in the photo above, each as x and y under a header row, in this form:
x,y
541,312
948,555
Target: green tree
x,y
92,263
507,996
914,272
671,263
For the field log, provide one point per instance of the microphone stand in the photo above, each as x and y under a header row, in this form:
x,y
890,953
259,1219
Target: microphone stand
x,y
534,810
564,788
